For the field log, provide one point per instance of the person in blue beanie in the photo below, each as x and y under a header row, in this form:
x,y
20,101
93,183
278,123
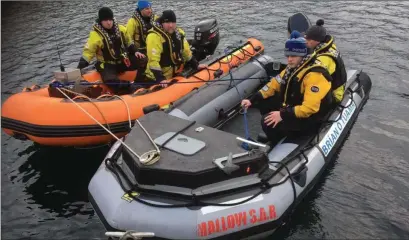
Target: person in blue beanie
x,y
295,101
137,29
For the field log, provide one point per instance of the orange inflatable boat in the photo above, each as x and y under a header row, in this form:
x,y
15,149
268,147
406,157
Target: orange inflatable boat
x,y
57,121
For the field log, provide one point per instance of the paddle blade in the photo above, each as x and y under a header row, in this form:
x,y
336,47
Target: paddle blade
x,y
299,22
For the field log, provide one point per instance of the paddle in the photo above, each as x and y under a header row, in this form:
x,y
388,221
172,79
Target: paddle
x,y
299,22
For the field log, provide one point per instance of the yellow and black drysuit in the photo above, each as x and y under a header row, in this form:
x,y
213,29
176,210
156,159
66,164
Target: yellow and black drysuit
x,y
110,47
302,95
168,54
330,57
137,29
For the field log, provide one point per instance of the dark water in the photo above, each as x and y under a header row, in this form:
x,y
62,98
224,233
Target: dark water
x,y
364,194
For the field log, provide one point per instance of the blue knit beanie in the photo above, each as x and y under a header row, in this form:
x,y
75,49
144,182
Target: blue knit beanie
x,y
295,34
143,4
295,46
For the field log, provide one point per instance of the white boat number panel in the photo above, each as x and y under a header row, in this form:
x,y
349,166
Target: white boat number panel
x,y
329,140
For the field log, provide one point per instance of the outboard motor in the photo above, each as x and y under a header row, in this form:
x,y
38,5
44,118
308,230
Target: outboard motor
x,y
206,39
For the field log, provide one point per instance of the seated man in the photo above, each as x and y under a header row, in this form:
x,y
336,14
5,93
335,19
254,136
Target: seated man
x,y
168,50
328,54
294,102
137,29
108,43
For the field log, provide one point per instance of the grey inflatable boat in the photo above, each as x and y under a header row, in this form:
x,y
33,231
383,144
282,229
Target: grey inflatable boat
x,y
204,185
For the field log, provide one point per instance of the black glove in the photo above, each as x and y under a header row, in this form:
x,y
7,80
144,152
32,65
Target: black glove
x,y
158,75
132,49
193,63
82,63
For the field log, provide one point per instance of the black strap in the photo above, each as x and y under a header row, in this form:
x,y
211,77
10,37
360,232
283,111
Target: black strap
x,y
178,132
319,69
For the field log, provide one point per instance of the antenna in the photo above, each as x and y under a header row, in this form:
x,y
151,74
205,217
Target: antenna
x,y
59,57
58,51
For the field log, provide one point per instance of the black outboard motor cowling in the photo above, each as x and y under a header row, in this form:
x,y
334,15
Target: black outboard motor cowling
x,y
206,39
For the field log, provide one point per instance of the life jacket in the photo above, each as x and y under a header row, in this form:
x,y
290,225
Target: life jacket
x,y
143,27
114,49
290,89
339,77
171,55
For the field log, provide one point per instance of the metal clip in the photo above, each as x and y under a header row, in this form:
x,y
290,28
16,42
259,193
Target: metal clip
x,y
229,167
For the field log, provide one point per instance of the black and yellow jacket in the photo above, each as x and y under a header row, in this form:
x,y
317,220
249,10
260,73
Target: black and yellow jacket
x,y
304,93
330,57
106,48
166,53
137,29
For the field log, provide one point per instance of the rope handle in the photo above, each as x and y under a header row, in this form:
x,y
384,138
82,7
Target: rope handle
x,y
129,234
104,95
79,97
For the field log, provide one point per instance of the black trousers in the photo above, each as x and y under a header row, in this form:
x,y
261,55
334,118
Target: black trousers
x,y
289,128
109,74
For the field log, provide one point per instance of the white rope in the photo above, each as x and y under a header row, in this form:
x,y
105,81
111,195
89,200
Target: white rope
x,y
127,109
153,155
139,123
147,134
146,158
90,100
